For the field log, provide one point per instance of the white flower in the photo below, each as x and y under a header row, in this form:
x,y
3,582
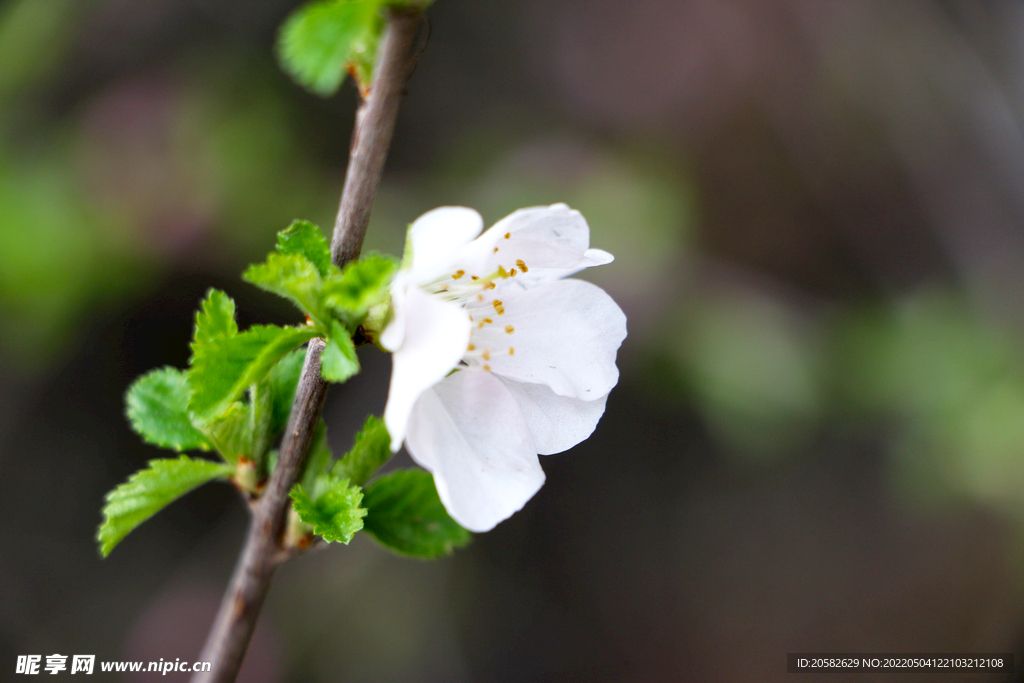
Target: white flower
x,y
533,354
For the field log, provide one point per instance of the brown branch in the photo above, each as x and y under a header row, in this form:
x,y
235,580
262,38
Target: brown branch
x,y
375,123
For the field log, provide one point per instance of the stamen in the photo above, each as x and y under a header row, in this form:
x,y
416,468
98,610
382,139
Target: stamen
x,y
487,368
486,355
488,320
495,250
507,235
479,297
489,285
512,272
509,329
474,277
522,265
498,307
511,351
458,274
471,347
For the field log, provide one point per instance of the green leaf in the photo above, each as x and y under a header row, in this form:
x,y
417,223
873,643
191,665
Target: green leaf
x,y
292,276
318,40
284,379
157,406
261,407
305,239
406,515
331,507
364,55
224,368
149,490
215,319
371,450
361,284
245,427
229,433
339,360
320,456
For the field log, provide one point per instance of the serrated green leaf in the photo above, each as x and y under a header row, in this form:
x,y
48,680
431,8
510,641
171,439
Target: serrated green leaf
x,y
244,429
224,368
215,319
406,515
292,276
229,433
148,491
320,456
305,239
361,284
284,378
157,407
371,450
317,41
261,417
331,507
339,360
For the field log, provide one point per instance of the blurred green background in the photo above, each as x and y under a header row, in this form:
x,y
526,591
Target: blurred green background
x,y
817,443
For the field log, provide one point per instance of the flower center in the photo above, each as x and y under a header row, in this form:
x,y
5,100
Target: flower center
x,y
490,335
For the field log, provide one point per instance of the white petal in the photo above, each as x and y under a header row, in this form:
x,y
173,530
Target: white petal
x,y
436,336
469,432
392,336
552,241
557,423
564,334
436,238
537,276
555,224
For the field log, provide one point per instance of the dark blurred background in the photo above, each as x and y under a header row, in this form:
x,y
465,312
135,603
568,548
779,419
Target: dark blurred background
x,y
817,443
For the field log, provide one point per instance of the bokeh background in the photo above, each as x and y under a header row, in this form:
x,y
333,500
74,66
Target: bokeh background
x,y
817,443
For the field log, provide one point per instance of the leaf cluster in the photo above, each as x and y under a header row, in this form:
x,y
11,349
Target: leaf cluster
x,y
236,396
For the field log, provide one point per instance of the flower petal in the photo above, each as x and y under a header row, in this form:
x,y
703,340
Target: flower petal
x,y
469,432
436,238
557,423
564,334
436,333
537,276
551,241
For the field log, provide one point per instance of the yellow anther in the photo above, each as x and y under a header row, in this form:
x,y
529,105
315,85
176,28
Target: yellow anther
x,y
480,326
486,355
488,320
471,347
474,277
458,274
512,272
489,285
498,307
509,329
479,297
495,250
511,351
507,235
522,265
487,368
